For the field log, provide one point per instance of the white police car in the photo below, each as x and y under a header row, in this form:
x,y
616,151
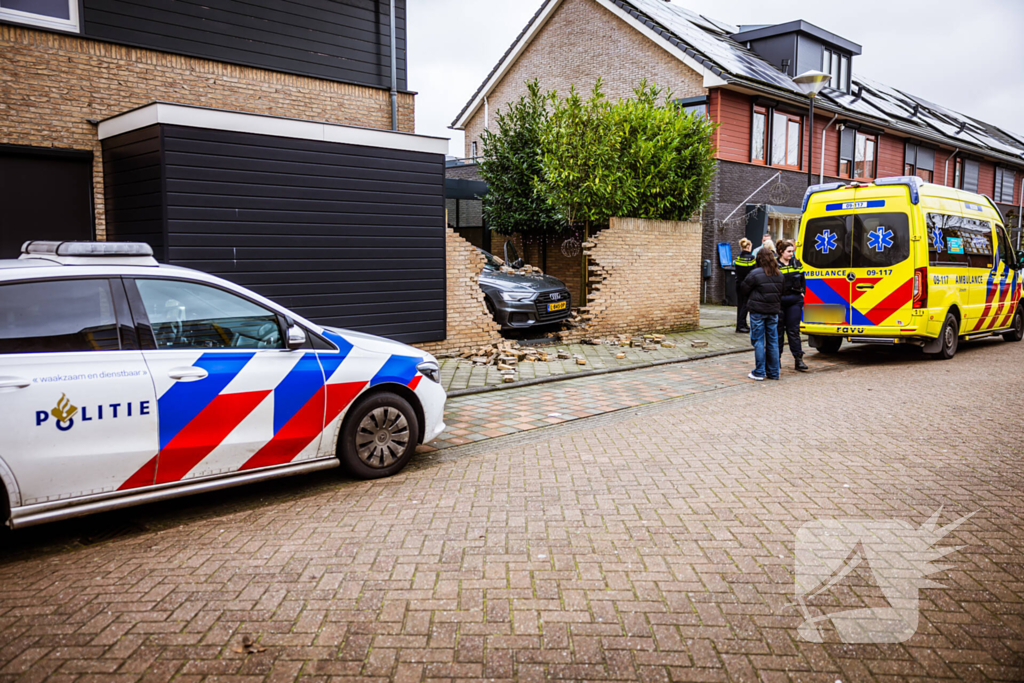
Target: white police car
x,y
123,381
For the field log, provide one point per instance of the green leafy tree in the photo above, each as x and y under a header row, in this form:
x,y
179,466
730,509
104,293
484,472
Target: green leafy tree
x,y
511,166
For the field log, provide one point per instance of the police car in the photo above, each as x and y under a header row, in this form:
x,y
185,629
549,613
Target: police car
x,y
123,381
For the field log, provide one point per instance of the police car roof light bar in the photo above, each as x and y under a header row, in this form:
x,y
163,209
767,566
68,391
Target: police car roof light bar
x,y
814,189
55,248
911,181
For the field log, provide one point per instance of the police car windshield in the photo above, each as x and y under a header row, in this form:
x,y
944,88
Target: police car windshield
x,y
862,240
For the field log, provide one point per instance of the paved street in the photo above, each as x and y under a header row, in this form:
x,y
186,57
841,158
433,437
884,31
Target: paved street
x,y
652,543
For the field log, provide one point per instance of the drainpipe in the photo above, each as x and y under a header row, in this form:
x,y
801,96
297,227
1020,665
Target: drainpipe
x,y
487,115
821,176
394,72
945,174
1020,213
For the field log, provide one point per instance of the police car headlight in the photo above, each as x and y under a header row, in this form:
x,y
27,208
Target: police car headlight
x,y
430,370
519,296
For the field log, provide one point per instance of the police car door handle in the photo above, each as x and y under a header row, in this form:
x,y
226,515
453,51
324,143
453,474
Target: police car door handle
x,y
14,383
187,374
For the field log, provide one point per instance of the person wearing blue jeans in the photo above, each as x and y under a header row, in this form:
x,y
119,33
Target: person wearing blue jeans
x,y
763,287
765,338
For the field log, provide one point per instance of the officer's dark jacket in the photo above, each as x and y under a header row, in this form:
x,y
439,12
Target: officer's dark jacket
x,y
794,278
744,264
765,292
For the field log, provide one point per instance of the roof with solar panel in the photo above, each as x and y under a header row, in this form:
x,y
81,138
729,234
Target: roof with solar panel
x,y
711,43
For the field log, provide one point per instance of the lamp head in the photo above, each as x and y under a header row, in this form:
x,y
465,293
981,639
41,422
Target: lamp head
x,y
811,82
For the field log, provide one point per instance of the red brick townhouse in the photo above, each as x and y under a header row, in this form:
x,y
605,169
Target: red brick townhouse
x,y
267,142
741,76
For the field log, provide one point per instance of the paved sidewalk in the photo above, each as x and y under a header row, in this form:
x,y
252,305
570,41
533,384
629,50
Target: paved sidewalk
x,y
717,329
497,413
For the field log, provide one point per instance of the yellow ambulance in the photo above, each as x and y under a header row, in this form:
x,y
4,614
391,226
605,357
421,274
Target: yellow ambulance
x,y
901,261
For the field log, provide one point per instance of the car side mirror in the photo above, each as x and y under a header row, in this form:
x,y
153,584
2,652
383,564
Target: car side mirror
x,y
296,337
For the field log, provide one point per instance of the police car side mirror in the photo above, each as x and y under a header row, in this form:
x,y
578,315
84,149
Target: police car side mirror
x,y
296,337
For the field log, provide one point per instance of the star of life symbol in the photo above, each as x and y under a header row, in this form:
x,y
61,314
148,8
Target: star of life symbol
x,y
937,238
880,239
826,241
898,555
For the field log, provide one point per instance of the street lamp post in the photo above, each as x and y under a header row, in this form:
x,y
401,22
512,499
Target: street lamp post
x,y
811,83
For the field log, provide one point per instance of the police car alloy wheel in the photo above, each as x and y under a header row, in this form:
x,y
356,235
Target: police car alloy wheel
x,y
379,436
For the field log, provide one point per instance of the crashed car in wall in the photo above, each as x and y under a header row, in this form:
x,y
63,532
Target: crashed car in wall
x,y
519,296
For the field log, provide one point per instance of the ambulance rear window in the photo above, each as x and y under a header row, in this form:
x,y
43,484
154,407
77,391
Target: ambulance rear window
x,y
880,240
826,243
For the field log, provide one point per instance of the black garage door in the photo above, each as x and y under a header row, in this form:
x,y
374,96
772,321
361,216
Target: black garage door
x,y
44,195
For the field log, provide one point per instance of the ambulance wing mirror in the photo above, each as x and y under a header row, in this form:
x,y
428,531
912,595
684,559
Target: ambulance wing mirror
x,y
296,337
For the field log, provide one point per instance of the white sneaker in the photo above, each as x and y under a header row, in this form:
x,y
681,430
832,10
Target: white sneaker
x,y
755,377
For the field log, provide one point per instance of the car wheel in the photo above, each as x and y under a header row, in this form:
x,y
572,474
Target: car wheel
x,y
829,345
949,338
379,436
1017,331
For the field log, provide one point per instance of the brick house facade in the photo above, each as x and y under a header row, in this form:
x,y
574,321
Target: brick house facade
x,y
745,77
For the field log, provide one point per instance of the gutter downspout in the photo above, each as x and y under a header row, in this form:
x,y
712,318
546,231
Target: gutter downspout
x,y
394,72
487,114
945,174
821,176
1020,213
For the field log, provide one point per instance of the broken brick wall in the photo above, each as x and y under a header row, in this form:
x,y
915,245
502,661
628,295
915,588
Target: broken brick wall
x,y
469,324
644,277
559,256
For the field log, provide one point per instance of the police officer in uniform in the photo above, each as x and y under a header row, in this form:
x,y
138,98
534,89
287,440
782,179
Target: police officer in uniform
x,y
792,300
744,264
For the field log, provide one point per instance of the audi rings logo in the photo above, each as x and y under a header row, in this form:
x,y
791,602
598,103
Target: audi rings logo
x,y
556,296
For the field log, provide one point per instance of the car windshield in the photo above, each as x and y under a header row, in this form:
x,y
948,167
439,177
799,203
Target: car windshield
x,y
493,262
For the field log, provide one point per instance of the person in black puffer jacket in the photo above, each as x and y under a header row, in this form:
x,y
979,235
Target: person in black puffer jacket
x,y
763,287
792,301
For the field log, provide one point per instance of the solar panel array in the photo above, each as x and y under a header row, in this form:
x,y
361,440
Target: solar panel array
x,y
711,40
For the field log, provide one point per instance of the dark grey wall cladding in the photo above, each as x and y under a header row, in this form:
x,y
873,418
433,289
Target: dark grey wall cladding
x,y
344,235
132,188
343,40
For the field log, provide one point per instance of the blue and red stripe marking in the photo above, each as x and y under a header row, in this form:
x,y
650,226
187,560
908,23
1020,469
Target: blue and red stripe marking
x,y
839,292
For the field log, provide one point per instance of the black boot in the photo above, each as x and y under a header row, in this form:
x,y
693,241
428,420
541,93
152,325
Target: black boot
x,y
800,364
742,330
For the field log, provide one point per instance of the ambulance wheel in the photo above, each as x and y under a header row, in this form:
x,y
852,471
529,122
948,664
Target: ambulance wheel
x,y
829,345
1017,333
379,436
949,338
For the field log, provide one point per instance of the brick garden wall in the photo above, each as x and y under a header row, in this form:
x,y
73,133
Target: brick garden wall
x,y
469,324
581,42
52,84
644,276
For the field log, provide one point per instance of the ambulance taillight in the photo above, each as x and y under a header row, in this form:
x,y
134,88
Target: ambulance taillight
x,y
921,288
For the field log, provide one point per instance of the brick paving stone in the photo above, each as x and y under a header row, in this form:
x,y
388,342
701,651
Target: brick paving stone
x,y
653,542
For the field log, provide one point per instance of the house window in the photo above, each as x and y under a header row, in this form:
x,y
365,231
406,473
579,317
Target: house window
x,y
1006,179
969,177
836,65
919,161
472,148
759,136
847,145
786,140
864,162
61,15
694,105
958,173
844,74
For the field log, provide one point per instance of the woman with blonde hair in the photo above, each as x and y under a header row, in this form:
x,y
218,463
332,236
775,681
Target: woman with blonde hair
x,y
744,264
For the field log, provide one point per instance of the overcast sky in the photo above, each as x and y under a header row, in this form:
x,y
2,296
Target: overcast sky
x,y
965,54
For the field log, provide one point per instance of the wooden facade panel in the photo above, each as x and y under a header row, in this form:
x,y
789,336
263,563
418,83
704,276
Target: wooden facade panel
x,y
342,40
344,235
891,155
732,111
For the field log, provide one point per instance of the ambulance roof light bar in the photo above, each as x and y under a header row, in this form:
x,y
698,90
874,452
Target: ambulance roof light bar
x,y
911,181
815,189
55,248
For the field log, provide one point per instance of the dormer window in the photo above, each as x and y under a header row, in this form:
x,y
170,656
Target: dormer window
x,y
838,66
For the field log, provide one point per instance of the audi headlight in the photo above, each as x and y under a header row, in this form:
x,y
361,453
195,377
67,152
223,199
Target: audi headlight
x,y
431,370
519,296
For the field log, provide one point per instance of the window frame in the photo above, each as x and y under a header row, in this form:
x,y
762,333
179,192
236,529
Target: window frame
x,y
868,137
72,24
790,118
958,174
1000,185
765,147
